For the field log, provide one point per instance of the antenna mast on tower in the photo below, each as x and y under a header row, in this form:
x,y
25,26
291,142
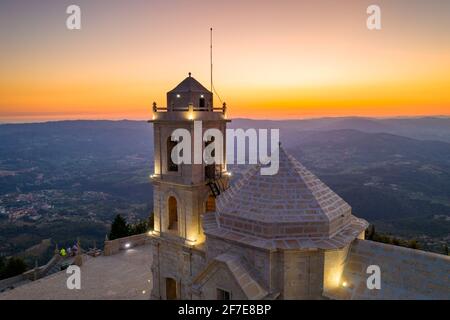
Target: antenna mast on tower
x,y
213,90
211,57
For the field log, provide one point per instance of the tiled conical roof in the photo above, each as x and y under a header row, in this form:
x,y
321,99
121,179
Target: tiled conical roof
x,y
291,203
189,85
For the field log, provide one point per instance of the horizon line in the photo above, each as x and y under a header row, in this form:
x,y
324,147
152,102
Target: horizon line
x,y
49,120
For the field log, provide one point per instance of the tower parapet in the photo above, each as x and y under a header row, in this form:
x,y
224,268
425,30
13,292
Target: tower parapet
x,y
189,100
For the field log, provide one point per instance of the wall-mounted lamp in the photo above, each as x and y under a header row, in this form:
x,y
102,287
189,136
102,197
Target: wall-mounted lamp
x,y
191,242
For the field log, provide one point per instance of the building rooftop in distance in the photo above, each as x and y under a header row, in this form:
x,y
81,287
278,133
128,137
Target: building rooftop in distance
x,y
125,275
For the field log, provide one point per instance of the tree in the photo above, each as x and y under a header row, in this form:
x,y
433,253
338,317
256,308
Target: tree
x,y
13,267
370,232
119,228
2,263
445,249
413,244
140,227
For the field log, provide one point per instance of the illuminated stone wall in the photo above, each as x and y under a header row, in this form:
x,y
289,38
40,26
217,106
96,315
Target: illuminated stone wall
x,y
405,273
172,259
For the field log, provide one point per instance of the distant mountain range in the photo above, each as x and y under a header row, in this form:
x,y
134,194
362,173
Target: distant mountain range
x,y
67,179
429,128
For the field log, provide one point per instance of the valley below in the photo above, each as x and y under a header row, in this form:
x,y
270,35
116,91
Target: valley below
x,y
60,181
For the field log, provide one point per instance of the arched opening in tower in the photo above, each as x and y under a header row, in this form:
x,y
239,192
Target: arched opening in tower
x,y
210,169
171,166
173,214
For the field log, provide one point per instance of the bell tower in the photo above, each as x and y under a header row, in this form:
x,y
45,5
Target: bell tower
x,y
182,193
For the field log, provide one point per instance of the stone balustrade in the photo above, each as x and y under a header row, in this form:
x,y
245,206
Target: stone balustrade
x,y
114,246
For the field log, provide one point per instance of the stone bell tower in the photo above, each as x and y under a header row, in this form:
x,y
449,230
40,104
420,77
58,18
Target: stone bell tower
x,y
183,192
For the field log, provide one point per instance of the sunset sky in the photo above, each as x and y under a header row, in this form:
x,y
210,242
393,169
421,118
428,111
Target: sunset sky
x,y
273,59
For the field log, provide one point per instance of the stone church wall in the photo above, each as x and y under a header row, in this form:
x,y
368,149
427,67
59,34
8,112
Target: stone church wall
x,y
294,274
303,275
334,264
175,261
405,273
222,279
258,259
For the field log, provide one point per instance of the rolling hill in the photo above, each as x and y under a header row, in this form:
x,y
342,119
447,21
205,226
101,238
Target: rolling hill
x,y
64,180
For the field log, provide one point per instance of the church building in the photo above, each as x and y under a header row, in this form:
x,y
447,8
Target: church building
x,y
262,237
285,236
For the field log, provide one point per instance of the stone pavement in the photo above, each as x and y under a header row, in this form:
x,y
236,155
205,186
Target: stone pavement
x,y
125,275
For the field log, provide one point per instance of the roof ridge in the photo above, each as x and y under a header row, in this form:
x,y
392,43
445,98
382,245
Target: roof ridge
x,y
313,191
189,84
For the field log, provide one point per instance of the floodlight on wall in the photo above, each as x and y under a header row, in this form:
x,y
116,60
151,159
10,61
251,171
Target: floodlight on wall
x,y
190,242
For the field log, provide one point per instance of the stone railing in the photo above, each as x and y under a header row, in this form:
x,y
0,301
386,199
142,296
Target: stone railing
x,y
33,274
39,272
114,246
10,282
190,107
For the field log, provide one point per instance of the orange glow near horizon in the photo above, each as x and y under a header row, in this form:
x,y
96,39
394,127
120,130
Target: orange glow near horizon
x,y
273,59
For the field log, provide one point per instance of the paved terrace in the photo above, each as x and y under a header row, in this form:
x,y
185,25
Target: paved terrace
x,y
122,276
